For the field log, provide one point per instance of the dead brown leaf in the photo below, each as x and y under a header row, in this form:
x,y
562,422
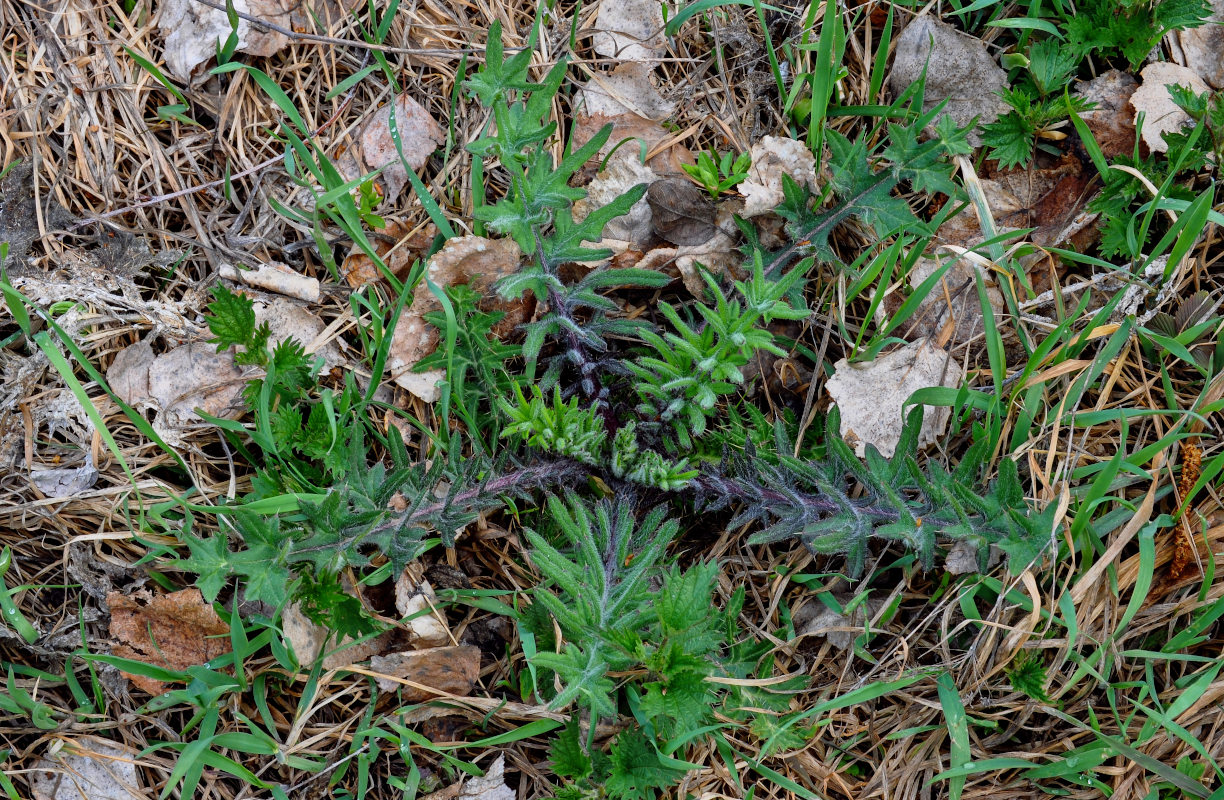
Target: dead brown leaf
x,y
957,67
628,125
682,213
417,605
773,157
1112,122
419,136
470,260
176,383
453,670
191,30
870,395
1202,48
630,30
308,639
399,245
174,631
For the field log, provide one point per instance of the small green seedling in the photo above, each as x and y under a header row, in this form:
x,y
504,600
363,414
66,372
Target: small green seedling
x,y
718,175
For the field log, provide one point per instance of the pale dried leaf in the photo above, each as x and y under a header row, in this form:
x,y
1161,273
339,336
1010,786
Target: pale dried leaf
x,y
419,135
962,558
621,175
275,277
66,482
870,395
87,768
128,374
1202,48
952,307
309,638
958,69
773,157
174,631
630,30
288,319
492,786
1152,99
814,618
191,31
178,382
418,605
61,412
189,377
627,89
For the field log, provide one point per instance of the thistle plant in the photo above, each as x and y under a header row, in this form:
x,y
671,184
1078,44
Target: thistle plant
x,y
593,405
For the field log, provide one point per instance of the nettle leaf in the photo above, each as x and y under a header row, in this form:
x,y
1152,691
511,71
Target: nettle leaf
x,y
231,319
683,702
637,773
569,759
1011,138
210,562
263,565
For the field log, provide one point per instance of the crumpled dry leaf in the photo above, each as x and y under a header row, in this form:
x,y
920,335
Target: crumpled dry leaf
x,y
627,125
716,254
191,30
419,136
1152,99
287,319
275,277
773,157
630,30
418,605
490,787
67,481
453,670
1112,122
176,383
958,68
87,768
1202,48
962,557
627,89
1050,199
870,395
463,259
814,618
951,313
681,213
399,245
621,175
308,639
174,631
61,412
